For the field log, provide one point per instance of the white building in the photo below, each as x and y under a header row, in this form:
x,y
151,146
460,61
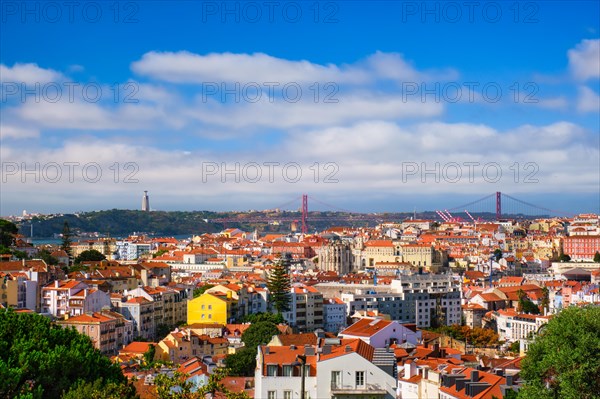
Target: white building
x,y
381,333
334,315
73,298
335,370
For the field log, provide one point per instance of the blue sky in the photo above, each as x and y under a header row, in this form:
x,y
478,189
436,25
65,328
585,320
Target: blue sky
x,y
379,82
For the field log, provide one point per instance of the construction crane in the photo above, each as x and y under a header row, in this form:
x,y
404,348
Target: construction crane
x,y
452,218
471,217
444,217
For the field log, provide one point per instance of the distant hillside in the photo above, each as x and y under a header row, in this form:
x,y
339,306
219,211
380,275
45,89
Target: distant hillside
x,y
119,222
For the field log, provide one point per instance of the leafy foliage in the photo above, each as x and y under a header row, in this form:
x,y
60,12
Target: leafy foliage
x,y
47,257
524,305
244,361
177,387
7,233
259,334
279,288
201,290
481,337
564,359
39,359
99,390
597,257
275,318
564,258
515,347
90,255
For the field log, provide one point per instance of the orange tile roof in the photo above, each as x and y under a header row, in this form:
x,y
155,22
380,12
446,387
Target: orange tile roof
x,y
137,347
366,327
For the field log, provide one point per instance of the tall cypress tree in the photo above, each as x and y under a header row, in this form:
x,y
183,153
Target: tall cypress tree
x,y
279,288
66,239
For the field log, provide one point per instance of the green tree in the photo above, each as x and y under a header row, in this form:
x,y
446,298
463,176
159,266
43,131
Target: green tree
x,y
497,254
177,387
39,359
521,300
275,318
90,255
99,390
47,257
202,289
242,363
279,288
597,257
564,258
66,239
515,347
149,356
7,233
259,333
545,302
564,359
159,253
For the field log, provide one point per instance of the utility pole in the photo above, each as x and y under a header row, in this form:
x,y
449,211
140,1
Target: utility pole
x,y
302,359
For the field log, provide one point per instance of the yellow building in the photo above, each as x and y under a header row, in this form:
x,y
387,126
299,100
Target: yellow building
x,y
215,307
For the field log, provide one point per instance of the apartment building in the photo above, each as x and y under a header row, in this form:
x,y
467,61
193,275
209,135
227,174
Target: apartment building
x,y
339,368
334,315
109,331
306,309
140,311
428,300
71,297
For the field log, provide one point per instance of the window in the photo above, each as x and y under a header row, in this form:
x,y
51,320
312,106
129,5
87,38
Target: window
x,y
288,370
203,307
202,315
272,370
287,394
209,307
210,316
271,395
336,379
360,379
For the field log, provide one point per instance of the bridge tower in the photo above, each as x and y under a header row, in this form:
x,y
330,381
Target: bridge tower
x,y
304,213
498,205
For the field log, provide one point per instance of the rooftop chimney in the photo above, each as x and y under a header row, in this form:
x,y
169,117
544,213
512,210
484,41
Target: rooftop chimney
x,y
309,350
509,380
475,376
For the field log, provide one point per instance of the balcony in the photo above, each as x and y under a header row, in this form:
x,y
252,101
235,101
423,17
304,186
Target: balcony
x,y
347,389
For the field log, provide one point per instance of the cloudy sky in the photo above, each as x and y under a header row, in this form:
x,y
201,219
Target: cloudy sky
x,y
369,106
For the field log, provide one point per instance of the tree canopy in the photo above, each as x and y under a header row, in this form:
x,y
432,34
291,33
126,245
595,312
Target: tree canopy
x,y
276,318
7,233
244,361
90,255
39,359
564,359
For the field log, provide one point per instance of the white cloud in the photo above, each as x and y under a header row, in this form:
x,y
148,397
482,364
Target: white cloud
x,y
558,103
186,67
584,59
588,100
28,74
282,114
17,132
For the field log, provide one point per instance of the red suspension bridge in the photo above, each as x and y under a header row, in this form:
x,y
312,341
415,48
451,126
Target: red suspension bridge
x,y
493,206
